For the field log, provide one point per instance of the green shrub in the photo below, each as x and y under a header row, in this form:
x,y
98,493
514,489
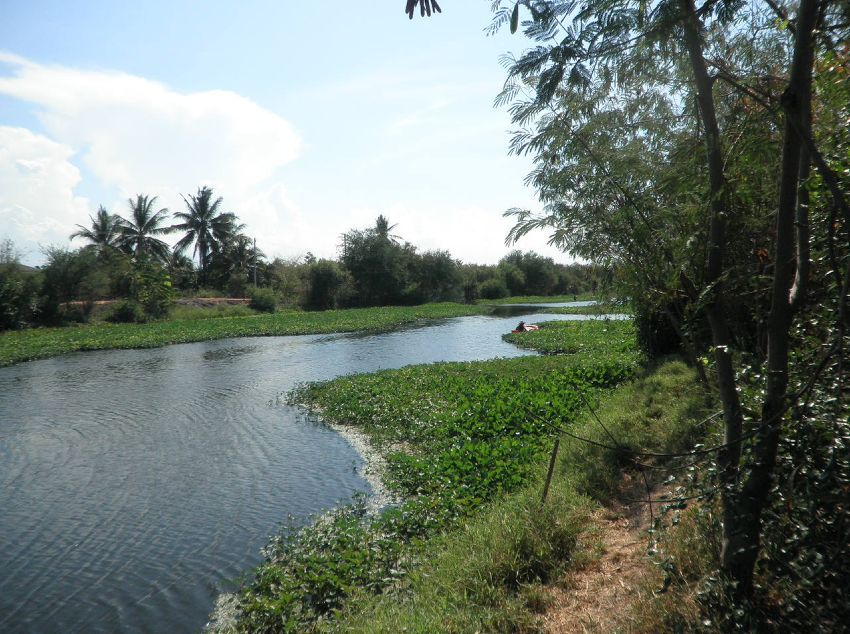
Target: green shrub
x,y
325,280
18,297
127,312
263,300
494,288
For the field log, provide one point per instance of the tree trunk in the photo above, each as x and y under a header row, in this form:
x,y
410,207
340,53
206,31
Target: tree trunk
x,y
729,457
745,545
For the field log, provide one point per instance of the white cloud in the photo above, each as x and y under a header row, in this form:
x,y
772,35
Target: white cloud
x,y
278,223
132,135
140,136
37,201
471,234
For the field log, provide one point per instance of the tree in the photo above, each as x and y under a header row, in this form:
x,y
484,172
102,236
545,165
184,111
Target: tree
x,y
18,289
207,229
436,277
181,270
613,103
138,235
232,264
383,228
71,276
325,280
378,265
425,7
104,233
528,273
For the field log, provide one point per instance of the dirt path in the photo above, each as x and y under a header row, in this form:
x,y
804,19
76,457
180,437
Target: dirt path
x,y
594,597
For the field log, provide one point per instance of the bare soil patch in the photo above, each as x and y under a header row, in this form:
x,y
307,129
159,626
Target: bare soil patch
x,y
594,597
206,302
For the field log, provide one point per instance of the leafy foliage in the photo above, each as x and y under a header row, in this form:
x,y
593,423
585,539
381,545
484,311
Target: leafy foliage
x,y
263,300
139,233
105,231
208,230
657,132
18,296
327,284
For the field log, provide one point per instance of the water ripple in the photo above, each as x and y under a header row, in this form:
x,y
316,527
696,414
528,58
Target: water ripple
x,y
135,484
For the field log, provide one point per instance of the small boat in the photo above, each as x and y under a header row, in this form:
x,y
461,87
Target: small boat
x,y
527,328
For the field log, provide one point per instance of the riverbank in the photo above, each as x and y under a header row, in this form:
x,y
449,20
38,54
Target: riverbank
x,y
39,343
537,299
466,449
586,304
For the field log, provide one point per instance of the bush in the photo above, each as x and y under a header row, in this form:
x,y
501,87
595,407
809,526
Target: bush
x,y
263,300
151,287
18,297
494,288
127,312
655,334
325,280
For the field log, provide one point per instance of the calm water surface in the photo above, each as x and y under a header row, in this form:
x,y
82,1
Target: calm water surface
x,y
136,485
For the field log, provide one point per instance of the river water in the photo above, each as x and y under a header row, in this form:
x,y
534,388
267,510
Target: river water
x,y
137,485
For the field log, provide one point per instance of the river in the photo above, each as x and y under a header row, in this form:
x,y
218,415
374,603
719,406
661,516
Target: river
x,y
136,485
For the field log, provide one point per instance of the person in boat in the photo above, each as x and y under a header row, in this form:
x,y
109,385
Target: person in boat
x,y
520,327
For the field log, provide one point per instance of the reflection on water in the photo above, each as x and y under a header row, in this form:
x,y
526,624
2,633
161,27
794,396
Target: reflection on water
x,y
135,485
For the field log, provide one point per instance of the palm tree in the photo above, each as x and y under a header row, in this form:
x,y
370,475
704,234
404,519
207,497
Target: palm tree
x,y
105,231
138,235
205,227
383,228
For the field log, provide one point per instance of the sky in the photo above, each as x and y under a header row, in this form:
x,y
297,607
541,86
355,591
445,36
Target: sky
x,y
307,118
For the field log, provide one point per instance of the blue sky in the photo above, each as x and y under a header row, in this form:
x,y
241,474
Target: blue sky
x,y
308,118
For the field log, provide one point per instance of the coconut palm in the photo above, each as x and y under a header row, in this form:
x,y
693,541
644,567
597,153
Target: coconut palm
x,y
242,254
206,228
138,235
383,228
104,233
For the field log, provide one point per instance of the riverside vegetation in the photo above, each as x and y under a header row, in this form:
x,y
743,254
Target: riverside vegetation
x,y
37,343
465,445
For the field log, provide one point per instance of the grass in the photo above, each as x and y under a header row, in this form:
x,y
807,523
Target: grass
x,y
457,438
37,343
183,313
537,299
487,575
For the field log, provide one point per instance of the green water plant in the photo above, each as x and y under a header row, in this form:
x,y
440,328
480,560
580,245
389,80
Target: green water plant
x,y
38,343
456,437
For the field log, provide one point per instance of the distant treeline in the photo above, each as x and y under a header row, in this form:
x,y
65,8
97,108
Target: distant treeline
x,y
126,260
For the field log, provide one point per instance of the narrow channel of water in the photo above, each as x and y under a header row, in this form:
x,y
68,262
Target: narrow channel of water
x,y
136,485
